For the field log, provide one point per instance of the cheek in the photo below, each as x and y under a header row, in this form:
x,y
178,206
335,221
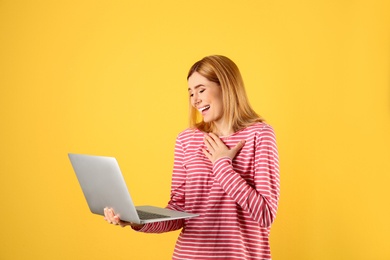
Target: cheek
x,y
220,108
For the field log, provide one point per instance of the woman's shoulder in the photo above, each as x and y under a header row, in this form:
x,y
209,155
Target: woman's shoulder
x,y
189,133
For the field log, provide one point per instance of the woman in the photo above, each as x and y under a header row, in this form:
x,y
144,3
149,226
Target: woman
x,y
225,169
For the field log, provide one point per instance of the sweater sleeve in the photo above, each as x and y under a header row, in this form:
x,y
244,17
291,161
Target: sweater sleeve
x,y
261,201
177,196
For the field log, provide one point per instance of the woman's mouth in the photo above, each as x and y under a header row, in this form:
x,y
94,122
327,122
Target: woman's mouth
x,y
204,109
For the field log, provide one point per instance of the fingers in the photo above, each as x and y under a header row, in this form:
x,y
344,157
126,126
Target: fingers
x,y
214,140
210,143
110,217
239,146
217,149
207,154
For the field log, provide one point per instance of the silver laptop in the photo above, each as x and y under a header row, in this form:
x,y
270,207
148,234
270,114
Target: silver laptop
x,y
103,186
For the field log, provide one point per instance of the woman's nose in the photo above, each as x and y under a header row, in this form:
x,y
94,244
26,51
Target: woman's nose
x,y
196,100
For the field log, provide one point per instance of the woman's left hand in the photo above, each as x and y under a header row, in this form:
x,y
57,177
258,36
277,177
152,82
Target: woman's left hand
x,y
112,218
216,149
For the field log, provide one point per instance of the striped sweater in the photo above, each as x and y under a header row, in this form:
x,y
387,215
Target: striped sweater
x,y
236,200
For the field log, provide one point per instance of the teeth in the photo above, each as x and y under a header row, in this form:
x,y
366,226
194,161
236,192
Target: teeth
x,y
203,108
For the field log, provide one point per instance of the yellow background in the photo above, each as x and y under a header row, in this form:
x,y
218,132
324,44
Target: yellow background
x,y
109,78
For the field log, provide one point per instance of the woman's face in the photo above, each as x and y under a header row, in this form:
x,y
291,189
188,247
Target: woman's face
x,y
206,97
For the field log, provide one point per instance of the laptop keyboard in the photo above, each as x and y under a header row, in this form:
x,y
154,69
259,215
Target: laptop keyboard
x,y
149,215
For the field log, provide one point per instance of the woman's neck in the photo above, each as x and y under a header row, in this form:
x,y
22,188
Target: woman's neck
x,y
222,130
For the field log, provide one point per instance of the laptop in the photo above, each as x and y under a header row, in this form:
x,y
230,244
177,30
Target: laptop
x,y
103,186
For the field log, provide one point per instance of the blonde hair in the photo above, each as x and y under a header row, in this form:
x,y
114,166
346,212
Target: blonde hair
x,y
237,110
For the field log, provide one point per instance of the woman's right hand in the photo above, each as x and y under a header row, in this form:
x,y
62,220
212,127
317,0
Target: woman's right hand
x,y
112,218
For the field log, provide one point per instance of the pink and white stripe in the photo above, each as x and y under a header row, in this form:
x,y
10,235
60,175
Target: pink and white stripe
x,y
237,200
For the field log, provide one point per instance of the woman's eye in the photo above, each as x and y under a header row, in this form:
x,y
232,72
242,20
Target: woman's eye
x,y
191,95
202,91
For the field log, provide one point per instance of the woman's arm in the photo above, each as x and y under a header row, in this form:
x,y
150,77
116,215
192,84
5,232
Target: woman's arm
x,y
261,201
177,196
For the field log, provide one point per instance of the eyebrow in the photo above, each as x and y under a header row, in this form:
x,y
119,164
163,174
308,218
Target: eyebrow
x,y
197,86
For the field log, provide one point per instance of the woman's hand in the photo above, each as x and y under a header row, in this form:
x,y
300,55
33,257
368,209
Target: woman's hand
x,y
216,149
112,218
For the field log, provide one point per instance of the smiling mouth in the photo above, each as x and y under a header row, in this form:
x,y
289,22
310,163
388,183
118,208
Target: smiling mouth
x,y
202,109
